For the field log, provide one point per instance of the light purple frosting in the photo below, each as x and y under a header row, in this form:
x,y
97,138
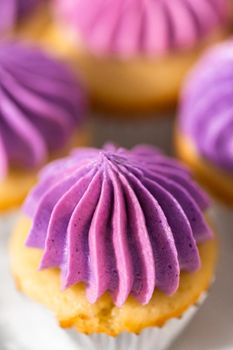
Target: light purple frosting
x,y
122,221
41,104
11,11
148,27
206,112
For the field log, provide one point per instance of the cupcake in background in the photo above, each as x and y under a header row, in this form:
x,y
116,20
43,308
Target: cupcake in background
x,y
26,18
134,54
123,244
42,109
204,134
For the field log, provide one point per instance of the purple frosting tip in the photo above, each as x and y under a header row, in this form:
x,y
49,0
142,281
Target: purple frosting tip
x,y
122,221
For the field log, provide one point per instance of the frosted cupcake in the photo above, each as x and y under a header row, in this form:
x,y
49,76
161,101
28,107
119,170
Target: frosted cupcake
x,y
205,126
23,17
42,109
122,243
135,54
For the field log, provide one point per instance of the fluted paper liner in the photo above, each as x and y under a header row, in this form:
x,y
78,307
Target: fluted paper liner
x,y
149,339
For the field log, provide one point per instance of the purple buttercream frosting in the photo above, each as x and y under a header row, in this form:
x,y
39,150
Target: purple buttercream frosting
x,y
206,113
41,104
147,27
122,221
11,11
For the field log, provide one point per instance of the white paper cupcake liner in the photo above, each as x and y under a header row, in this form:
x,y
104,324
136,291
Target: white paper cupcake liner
x,y
149,339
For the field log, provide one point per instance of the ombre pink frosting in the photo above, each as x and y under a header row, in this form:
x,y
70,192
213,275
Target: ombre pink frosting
x,y
11,11
41,106
148,27
122,221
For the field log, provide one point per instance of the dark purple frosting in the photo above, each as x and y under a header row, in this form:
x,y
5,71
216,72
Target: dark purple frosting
x,y
41,104
123,221
11,11
206,113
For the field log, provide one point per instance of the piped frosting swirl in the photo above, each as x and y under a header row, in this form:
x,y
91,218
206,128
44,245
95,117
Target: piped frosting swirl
x,y
122,221
206,112
41,104
12,11
147,27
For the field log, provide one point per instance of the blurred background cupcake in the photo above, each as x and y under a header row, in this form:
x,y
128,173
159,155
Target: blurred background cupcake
x,y
204,133
26,18
123,244
42,115
134,54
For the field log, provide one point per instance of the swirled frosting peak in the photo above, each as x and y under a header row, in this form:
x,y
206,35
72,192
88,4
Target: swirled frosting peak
x,y
122,221
206,113
151,27
40,105
11,11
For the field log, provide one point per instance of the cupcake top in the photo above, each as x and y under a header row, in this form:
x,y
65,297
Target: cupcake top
x,y
41,103
12,11
147,27
122,221
206,113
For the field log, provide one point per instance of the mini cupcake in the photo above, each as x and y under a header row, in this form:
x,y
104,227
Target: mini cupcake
x,y
205,126
41,106
22,17
122,243
134,54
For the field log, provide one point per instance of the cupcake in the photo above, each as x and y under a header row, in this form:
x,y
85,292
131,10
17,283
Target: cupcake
x,y
42,109
135,54
22,17
204,136
122,243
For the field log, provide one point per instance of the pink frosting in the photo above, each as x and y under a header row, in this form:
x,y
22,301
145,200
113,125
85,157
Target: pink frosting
x,y
129,27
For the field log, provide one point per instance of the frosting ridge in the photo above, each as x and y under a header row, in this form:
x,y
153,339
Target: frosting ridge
x,y
122,221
